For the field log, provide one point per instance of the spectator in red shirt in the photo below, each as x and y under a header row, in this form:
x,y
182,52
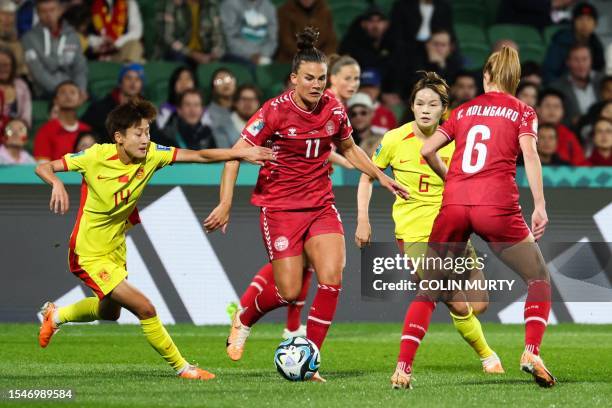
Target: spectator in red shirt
x,y
383,119
57,137
550,110
602,144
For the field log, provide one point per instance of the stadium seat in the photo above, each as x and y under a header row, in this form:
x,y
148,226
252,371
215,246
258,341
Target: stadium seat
x,y
157,74
148,10
492,9
270,75
345,12
469,33
472,12
40,114
521,34
532,52
102,77
205,73
475,54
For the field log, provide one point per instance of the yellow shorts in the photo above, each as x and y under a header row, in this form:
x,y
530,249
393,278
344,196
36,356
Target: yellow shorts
x,y
100,273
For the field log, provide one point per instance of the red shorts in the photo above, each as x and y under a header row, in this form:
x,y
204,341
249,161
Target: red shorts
x,y
455,223
285,232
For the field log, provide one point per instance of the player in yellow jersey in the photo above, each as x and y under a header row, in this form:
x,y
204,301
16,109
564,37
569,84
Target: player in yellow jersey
x,y
400,148
114,176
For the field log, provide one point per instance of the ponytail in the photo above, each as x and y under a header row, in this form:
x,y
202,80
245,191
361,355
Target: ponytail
x,y
504,69
307,52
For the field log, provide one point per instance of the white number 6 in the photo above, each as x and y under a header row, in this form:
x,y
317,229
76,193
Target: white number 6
x,y
471,145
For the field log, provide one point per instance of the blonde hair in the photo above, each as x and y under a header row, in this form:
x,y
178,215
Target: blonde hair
x,y
504,69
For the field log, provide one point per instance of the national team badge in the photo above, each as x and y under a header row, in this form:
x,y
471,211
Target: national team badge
x,y
330,128
140,173
105,276
281,243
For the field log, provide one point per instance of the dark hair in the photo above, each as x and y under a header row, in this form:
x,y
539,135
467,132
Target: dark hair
x,y
307,52
526,84
81,135
172,94
550,92
250,87
9,53
433,81
77,16
464,74
578,46
604,81
531,68
46,1
186,93
129,114
212,80
599,119
60,85
542,126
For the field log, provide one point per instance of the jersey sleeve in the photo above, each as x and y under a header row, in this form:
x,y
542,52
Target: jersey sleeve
x,y
162,155
346,130
259,128
82,160
529,123
384,152
448,127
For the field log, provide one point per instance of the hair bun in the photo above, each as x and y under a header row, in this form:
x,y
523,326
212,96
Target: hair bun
x,y
307,38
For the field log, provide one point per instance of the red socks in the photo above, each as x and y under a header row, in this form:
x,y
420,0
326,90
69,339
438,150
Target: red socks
x,y
322,312
416,323
263,277
294,310
537,308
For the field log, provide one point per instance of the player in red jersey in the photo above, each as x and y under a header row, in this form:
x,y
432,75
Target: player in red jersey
x,y
481,196
295,194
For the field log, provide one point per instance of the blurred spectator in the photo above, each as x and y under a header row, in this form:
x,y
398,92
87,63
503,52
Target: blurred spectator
x,y
12,149
369,41
182,79
79,17
537,14
131,78
550,111
15,98
360,112
463,90
251,30
116,30
57,137
191,31
547,146
344,77
602,143
585,125
293,16
581,32
84,141
186,128
53,51
383,119
580,85
8,34
441,55
504,42
25,16
528,93
246,102
223,88
532,72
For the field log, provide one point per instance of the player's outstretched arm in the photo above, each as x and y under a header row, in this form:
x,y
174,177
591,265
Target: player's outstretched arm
x,y
533,168
252,154
358,158
429,152
60,201
340,160
363,233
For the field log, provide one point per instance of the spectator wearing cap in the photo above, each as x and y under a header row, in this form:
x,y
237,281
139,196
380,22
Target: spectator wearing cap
x,y
368,40
8,35
293,16
53,51
360,112
12,148
584,22
602,143
383,118
131,80
579,86
57,136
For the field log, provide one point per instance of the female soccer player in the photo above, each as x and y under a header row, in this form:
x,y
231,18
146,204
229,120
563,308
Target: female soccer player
x,y
114,176
481,196
400,149
344,77
295,194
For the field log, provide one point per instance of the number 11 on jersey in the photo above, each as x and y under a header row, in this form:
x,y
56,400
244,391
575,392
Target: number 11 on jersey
x,y
309,143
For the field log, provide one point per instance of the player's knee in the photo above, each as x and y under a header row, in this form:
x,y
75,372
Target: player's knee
x,y
459,308
111,315
331,275
479,307
290,294
147,311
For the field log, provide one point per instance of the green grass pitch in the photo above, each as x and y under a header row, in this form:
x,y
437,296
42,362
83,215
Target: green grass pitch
x,y
112,366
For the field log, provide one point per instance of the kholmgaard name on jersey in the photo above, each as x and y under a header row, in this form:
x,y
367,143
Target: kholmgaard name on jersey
x,y
490,285
492,111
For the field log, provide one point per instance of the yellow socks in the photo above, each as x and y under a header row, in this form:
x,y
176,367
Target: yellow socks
x,y
470,329
85,310
160,340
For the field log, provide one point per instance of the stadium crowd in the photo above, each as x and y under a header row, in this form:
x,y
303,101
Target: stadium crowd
x,y
210,64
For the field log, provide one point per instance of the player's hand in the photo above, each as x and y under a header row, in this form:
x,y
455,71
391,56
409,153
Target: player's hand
x,y
393,186
363,233
218,218
539,219
258,155
59,199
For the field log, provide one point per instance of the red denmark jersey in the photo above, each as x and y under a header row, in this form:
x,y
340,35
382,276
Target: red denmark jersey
x,y
486,132
302,140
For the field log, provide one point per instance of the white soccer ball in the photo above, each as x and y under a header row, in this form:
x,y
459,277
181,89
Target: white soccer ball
x,y
297,359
